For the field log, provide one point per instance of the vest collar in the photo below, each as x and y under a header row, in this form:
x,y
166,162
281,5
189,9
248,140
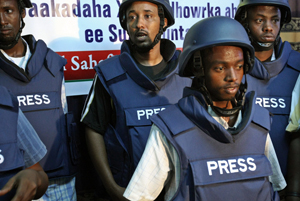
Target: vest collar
x,y
138,76
267,70
193,105
34,64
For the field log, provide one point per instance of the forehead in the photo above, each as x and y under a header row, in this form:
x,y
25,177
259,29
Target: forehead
x,y
223,51
263,10
6,3
142,6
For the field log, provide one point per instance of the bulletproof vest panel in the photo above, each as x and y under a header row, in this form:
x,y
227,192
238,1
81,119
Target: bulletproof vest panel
x,y
215,170
135,99
40,99
11,157
274,93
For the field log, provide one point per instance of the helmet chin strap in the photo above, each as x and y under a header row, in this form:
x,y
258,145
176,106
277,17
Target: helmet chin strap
x,y
15,41
238,101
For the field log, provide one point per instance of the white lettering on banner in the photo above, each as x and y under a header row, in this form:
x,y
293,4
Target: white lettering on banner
x,y
271,102
231,166
84,65
148,112
35,99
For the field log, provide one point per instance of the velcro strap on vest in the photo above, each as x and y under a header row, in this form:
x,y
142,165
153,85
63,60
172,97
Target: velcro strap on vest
x,y
294,61
182,123
5,97
106,68
263,119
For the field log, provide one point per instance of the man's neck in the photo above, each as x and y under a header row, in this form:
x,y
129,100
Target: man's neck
x,y
264,55
151,58
18,50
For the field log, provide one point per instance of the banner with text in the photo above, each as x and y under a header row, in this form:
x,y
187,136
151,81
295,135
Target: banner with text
x,y
86,32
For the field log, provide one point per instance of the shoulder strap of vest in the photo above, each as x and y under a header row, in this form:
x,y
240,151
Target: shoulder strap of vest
x,y
262,117
294,60
178,123
110,68
6,98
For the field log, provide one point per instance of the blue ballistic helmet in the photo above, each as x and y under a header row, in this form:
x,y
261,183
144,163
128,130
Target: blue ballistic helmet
x,y
210,32
167,11
283,5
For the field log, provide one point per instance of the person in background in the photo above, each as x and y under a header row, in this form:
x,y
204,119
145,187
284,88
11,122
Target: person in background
x,y
127,89
273,78
35,74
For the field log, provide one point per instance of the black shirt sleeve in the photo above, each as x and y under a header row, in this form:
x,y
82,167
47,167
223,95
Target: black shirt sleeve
x,y
98,111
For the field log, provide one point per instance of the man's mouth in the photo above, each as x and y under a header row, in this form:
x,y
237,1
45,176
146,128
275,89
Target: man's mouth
x,y
141,35
268,38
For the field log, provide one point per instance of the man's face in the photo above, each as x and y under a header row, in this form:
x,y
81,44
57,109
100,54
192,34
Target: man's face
x,y
223,67
143,23
264,23
9,21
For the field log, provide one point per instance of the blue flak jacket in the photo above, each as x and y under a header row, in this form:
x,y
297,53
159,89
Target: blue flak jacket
x,y
218,164
39,95
11,157
273,83
135,99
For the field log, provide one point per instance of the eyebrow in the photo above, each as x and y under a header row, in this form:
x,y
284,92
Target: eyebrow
x,y
147,11
223,62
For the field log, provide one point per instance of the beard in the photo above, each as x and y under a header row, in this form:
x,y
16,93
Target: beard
x,y
144,47
8,42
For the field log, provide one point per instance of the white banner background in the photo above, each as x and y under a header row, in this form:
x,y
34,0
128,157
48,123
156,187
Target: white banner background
x,y
88,31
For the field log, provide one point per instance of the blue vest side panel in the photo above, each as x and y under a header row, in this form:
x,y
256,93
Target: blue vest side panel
x,y
274,93
135,98
11,157
214,170
39,95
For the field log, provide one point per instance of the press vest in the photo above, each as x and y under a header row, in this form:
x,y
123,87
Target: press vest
x,y
39,94
273,83
218,164
135,99
11,157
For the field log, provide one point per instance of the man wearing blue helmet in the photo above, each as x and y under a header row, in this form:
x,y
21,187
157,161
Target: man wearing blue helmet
x,y
273,78
129,88
214,143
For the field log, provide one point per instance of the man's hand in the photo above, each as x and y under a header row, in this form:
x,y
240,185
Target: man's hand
x,y
30,184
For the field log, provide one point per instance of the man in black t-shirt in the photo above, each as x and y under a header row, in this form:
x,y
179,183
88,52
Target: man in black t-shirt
x,y
128,89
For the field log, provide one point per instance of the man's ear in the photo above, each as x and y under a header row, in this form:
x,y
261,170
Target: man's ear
x,y
23,14
165,23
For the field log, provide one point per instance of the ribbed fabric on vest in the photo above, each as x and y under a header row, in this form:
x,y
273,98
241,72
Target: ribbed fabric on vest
x,y
135,98
11,157
218,164
273,83
39,95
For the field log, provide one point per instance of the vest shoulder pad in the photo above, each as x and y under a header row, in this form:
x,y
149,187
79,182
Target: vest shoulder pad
x,y
294,60
175,120
110,68
54,62
262,117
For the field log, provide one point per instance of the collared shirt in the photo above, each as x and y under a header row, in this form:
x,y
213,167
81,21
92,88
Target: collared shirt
x,y
159,167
